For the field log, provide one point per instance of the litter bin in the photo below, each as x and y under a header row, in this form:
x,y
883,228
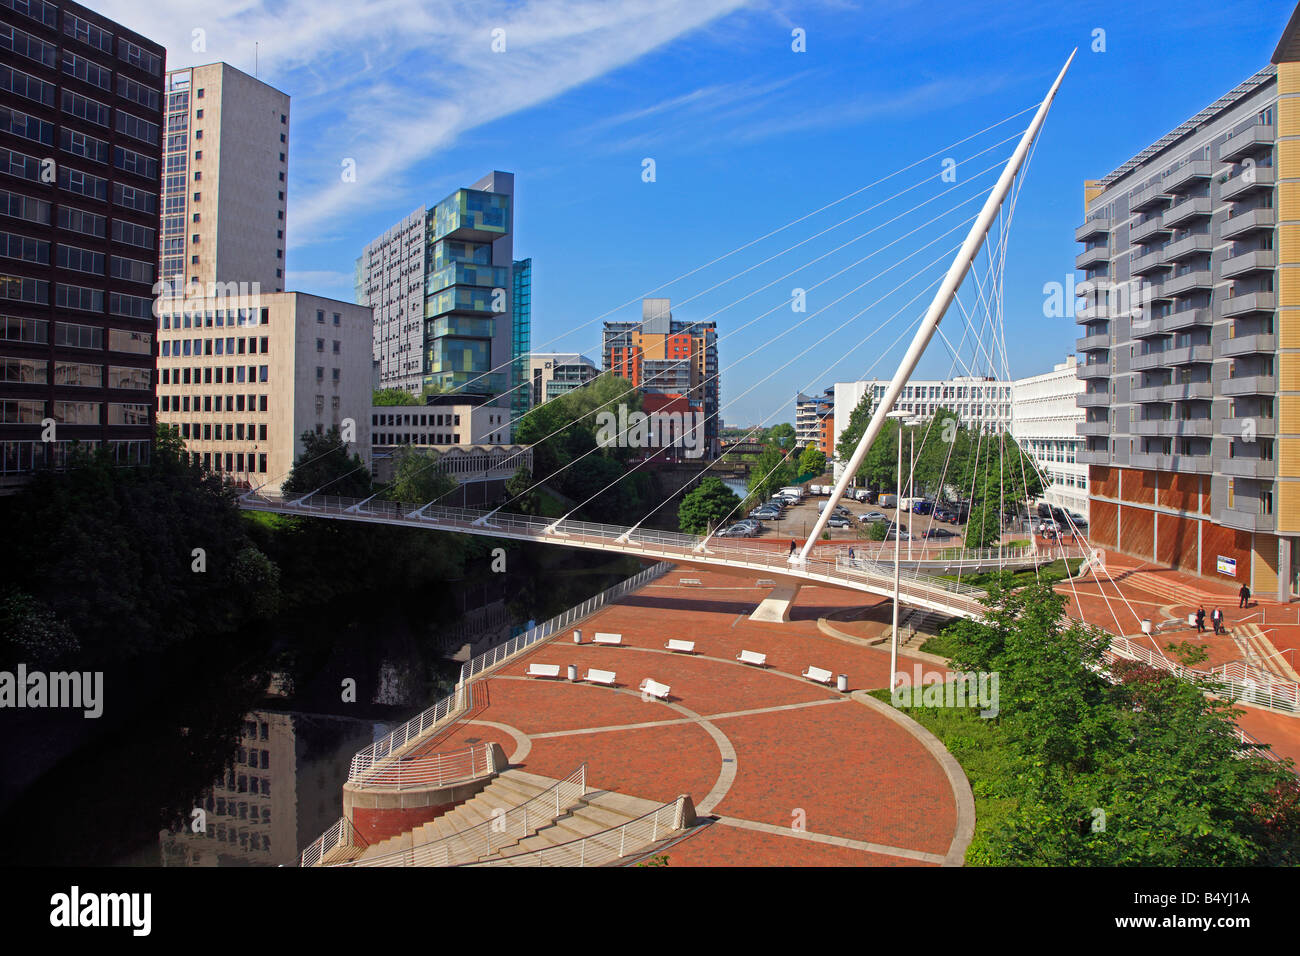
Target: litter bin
x,y
577,637
1146,625
573,672
842,683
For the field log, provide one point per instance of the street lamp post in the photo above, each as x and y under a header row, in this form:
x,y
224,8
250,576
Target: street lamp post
x,y
900,417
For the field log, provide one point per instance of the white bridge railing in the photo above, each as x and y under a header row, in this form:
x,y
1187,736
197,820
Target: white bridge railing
x,y
920,589
340,834
506,828
607,846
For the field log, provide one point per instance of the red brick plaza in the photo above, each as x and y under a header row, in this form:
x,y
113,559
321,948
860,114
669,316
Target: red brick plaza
x,y
794,772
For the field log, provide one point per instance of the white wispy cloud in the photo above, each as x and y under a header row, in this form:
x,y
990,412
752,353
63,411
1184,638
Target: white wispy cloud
x,y
390,83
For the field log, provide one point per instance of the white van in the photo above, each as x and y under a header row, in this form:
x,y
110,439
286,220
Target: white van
x,y
791,491
887,501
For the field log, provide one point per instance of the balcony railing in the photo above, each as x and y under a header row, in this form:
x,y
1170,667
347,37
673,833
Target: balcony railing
x,y
1089,256
1093,227
1249,385
1188,246
1248,344
1242,223
1152,226
1259,260
1253,140
1257,468
1185,210
1249,302
1188,174
1244,183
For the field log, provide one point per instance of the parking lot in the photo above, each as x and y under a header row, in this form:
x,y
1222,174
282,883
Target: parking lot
x,y
797,522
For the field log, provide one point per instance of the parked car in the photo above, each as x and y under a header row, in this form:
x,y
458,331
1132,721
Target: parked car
x,y
838,521
922,507
943,514
897,534
887,501
738,531
938,533
875,516
871,497
1079,520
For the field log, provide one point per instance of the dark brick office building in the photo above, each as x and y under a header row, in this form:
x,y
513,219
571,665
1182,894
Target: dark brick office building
x,y
81,127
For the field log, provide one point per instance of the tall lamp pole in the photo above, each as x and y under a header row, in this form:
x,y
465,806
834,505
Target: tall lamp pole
x,y
901,418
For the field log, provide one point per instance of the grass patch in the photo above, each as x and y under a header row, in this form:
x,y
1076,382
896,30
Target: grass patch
x,y
941,644
981,748
1048,574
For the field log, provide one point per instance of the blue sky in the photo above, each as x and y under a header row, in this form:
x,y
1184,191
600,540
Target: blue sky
x,y
746,135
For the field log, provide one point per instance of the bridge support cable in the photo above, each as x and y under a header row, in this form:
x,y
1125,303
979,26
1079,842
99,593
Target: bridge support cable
x,y
780,306
957,272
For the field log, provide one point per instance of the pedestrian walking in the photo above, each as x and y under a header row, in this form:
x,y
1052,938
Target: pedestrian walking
x,y
1200,620
1217,618
1244,593
850,554
792,545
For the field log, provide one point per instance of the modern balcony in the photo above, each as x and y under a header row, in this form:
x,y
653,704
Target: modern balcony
x,y
1246,222
1248,427
1188,174
1089,256
1090,312
1142,231
1085,457
1185,355
1247,345
1188,246
1187,282
1176,427
1093,227
1249,141
1259,260
1185,391
1248,385
1249,302
1093,399
1150,197
1248,468
1185,319
1246,182
1142,265
1190,464
1094,370
1244,520
1093,428
1186,210
1146,393
1090,342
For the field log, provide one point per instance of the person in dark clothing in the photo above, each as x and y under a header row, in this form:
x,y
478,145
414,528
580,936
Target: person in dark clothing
x,y
792,545
1244,594
1217,619
1200,620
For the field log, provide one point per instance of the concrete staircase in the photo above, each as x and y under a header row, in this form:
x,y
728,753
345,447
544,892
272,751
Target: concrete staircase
x,y
918,626
509,789
1261,652
598,811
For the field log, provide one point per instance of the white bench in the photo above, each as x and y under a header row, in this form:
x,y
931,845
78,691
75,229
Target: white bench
x,y
752,657
612,639
684,647
543,670
818,674
690,582
594,676
654,688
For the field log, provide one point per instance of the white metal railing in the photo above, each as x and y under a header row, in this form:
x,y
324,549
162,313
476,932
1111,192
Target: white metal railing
x,y
340,834
606,846
504,829
453,705
667,545
1235,681
428,770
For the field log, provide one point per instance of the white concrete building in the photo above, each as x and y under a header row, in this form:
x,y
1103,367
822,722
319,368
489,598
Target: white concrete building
x,y
977,402
1044,418
225,172
390,277
243,378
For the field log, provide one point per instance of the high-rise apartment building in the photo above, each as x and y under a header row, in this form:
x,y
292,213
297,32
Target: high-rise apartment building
x,y
441,283
1044,418
521,302
664,356
80,156
225,178
243,379
1191,338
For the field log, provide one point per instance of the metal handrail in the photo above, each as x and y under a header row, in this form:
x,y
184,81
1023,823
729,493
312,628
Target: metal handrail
x,y
603,847
340,834
430,770
510,826
1231,681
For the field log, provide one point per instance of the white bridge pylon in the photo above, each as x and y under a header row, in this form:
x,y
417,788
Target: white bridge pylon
x,y
934,314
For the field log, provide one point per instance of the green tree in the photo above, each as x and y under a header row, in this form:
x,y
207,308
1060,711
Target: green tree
x,y
394,396
324,464
782,436
772,470
417,477
984,527
520,494
812,461
706,506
